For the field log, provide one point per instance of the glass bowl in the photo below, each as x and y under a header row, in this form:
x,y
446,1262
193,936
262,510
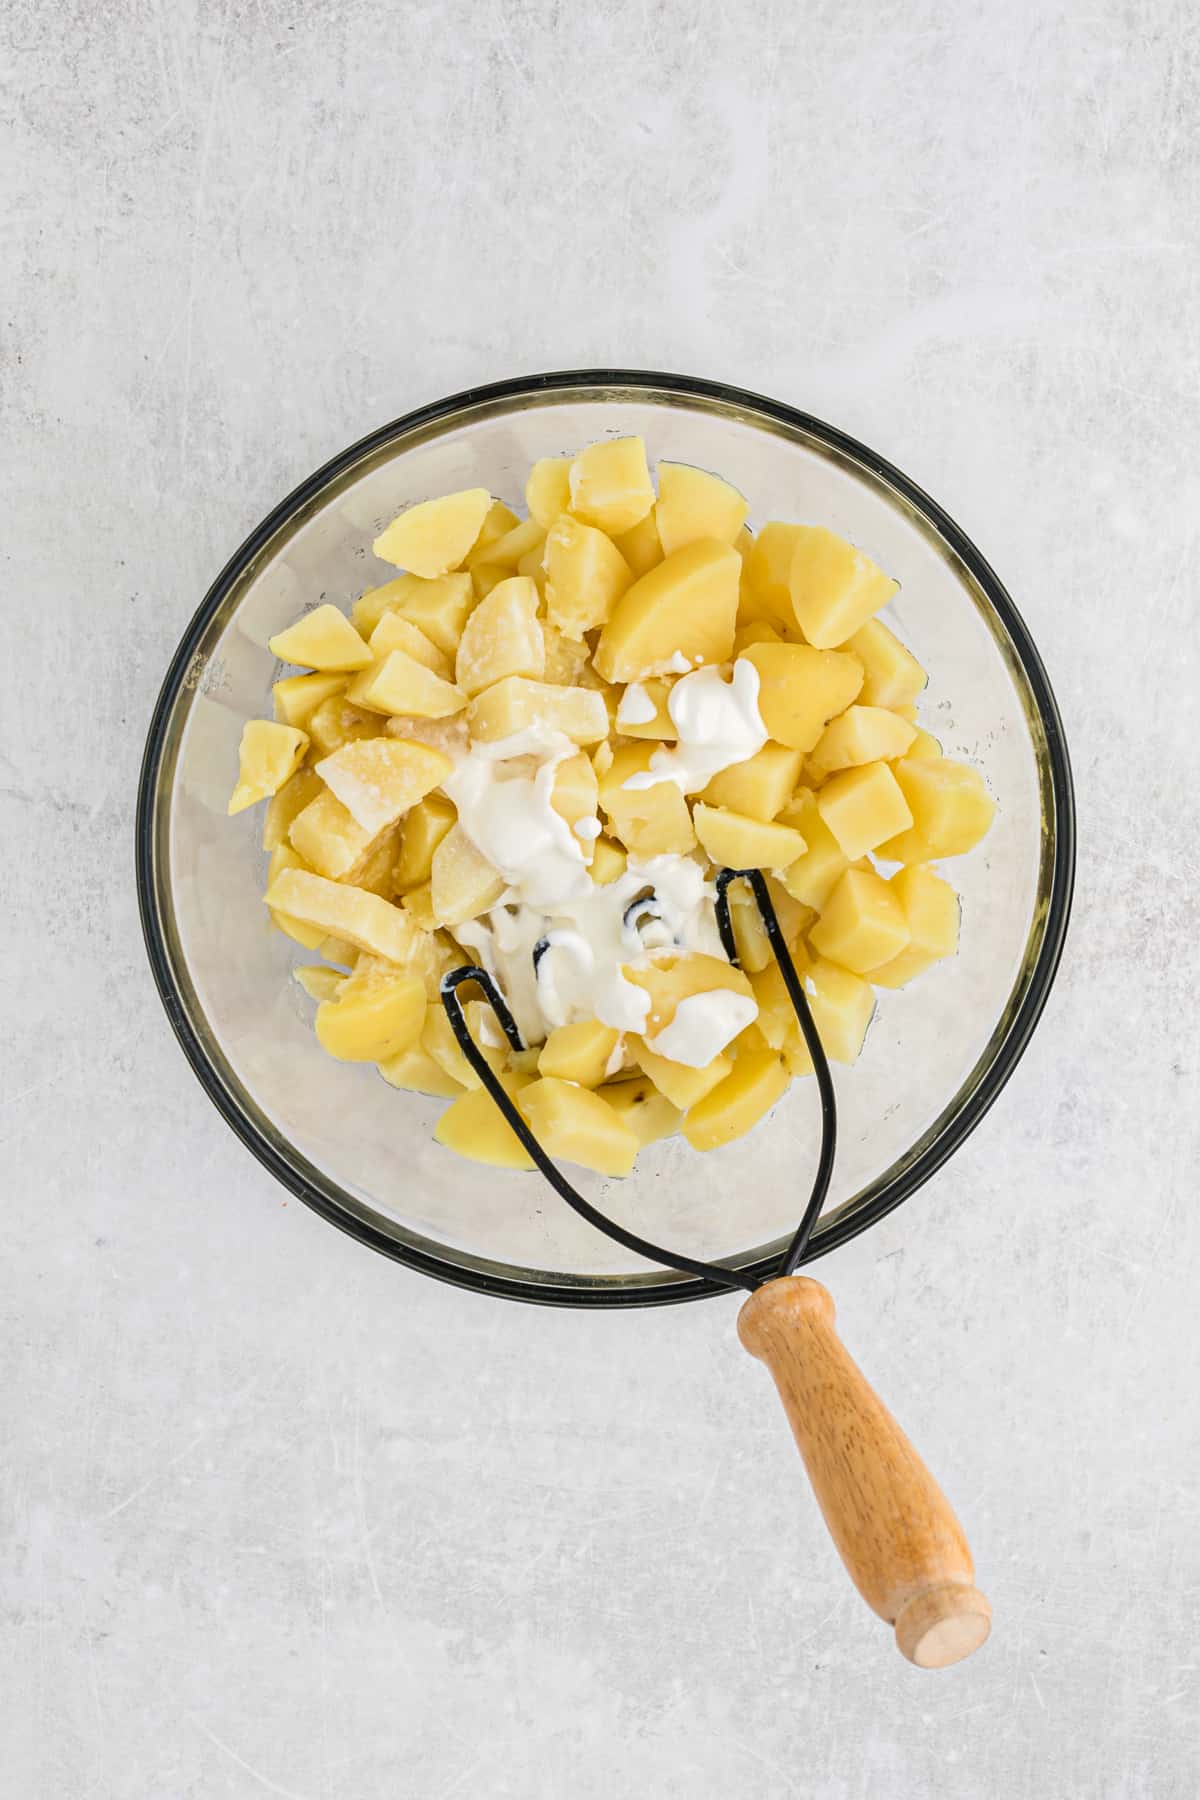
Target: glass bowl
x,y
362,1153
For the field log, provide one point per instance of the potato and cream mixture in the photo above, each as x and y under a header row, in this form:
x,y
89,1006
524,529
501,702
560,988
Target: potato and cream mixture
x,y
534,749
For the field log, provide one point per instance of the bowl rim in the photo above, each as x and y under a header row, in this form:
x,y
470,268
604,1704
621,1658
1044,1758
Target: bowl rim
x,y
854,1217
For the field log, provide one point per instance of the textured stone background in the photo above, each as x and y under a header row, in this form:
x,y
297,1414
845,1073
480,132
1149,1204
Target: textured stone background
x,y
279,1518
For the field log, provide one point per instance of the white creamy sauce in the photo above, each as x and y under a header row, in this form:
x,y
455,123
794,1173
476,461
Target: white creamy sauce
x,y
718,722
636,707
502,791
702,1026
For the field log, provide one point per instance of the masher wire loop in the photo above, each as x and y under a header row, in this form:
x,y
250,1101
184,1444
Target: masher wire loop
x,y
688,1265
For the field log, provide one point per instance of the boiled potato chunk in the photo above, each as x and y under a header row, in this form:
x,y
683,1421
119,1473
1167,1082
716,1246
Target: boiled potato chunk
x,y
330,839
675,976
735,842
585,576
548,489
931,913
640,545
842,1005
608,861
892,676
765,591
576,1124
678,1084
371,1018
268,756
395,632
502,637
694,504
518,704
398,683
376,873
757,1080
439,1042
864,807
761,786
610,484
295,794
473,1126
813,876
296,696
424,829
364,920
685,608
318,981
336,722
418,903
777,1019
580,1052
861,734
464,883
448,735
322,639
434,537
498,521
834,588
758,631
439,607
506,552
924,747
749,933
649,821
575,796
379,779
862,925
648,1114
950,810
801,689
299,930
415,1070
642,711
566,657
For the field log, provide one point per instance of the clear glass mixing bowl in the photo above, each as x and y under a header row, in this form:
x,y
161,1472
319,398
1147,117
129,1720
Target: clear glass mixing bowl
x,y
361,1153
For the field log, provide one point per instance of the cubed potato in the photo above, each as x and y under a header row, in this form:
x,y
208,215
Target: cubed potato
x,y
337,721
485,576
675,1081
864,807
757,1080
862,925
931,914
503,636
892,676
318,981
473,1126
694,504
813,876
801,689
424,829
464,882
610,484
548,489
439,1042
733,841
585,576
608,861
648,821
684,608
295,794
269,755
758,631
640,545
379,779
371,1018
337,950
924,747
322,639
580,1052
518,704
395,632
498,521
532,565
950,810
765,591
575,1124
842,1005
447,735
330,839
575,796
299,930
370,606
566,657
749,934
761,786
377,873
638,1103
434,537
794,917
861,734
777,1019
678,975
439,607
364,920
296,696
834,588
418,903
506,552
400,684
415,1070
642,711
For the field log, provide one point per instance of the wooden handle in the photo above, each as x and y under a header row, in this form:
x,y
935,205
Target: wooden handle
x,y
894,1530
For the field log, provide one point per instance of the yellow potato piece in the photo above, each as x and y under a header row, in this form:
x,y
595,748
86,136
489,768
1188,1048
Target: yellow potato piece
x,y
861,734
575,795
728,1111
633,702
608,861
295,794
395,632
813,876
439,607
834,588
310,936
864,807
379,779
337,950
322,639
434,537
503,636
801,689
376,872
758,631
336,722
415,1070
931,914
950,810
580,1052
576,1124
649,821
777,1021
517,704
640,545
761,786
464,883
681,1086
473,1126
268,756
585,576
677,975
694,504
892,676
765,593
439,1042
330,839
400,684
842,1005
548,489
506,552
449,735
319,982
371,1018
733,841
685,607
364,920
924,747
638,1104
610,484
498,521
862,925
418,903
296,696
424,829
749,934
566,657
